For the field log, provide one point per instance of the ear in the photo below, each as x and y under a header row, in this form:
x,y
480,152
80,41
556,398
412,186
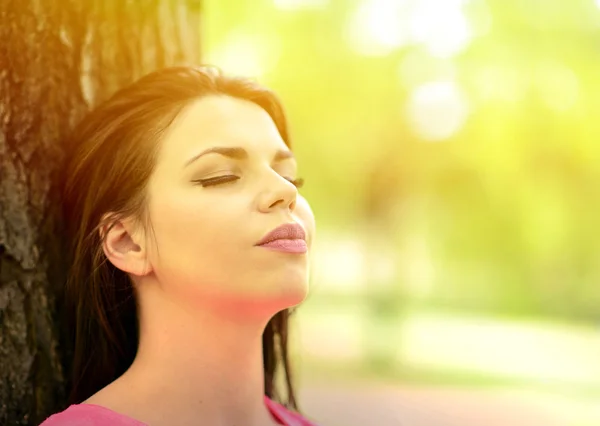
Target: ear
x,y
124,245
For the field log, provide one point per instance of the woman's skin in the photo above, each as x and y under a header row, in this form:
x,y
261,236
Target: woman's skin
x,y
205,291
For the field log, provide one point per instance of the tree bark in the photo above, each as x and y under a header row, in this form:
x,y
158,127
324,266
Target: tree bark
x,y
58,59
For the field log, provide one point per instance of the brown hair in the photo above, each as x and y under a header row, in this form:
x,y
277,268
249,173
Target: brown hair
x,y
113,153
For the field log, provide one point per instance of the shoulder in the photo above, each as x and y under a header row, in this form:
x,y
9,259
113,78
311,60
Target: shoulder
x,y
285,416
89,415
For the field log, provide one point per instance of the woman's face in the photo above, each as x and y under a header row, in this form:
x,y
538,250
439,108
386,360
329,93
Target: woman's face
x,y
223,180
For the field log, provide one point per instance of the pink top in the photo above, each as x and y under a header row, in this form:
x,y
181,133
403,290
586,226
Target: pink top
x,y
95,415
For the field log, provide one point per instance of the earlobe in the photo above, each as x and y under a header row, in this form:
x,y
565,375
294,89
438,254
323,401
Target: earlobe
x,y
122,248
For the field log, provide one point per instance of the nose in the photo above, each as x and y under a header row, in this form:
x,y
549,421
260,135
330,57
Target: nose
x,y
279,193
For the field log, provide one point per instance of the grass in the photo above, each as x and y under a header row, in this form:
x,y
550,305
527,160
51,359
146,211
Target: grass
x,y
449,349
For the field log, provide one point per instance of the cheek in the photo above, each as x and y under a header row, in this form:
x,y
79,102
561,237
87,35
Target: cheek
x,y
192,239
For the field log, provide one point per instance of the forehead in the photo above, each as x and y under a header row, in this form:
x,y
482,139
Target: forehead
x,y
221,121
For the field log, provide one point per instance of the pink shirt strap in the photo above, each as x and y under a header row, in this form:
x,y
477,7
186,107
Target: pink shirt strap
x,y
286,417
96,415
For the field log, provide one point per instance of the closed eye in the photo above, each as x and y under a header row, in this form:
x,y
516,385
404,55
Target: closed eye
x,y
216,180
298,183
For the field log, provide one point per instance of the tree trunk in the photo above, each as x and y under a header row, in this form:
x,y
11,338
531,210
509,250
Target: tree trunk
x,y
58,59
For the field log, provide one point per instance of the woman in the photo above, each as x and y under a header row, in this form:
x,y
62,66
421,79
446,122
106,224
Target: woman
x,y
190,247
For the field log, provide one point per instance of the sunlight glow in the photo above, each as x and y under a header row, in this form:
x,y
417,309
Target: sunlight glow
x,y
339,263
441,26
333,336
501,348
245,55
377,29
480,18
437,110
381,26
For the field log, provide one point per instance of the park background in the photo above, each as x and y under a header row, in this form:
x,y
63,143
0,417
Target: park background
x,y
452,157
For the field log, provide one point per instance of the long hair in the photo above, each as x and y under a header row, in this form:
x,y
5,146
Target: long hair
x,y
112,155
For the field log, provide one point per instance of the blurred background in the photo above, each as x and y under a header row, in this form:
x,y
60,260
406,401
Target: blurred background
x,y
451,155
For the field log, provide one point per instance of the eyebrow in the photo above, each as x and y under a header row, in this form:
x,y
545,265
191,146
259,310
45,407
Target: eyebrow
x,y
237,153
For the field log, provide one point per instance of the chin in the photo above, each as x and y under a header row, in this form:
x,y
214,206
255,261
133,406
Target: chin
x,y
287,295
293,287
295,298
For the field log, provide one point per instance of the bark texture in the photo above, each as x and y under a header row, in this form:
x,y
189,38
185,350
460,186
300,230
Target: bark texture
x,y
57,59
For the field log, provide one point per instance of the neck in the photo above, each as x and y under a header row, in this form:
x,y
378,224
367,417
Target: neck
x,y
198,364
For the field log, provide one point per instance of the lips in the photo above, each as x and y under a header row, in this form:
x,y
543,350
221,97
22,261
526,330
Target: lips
x,y
288,231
